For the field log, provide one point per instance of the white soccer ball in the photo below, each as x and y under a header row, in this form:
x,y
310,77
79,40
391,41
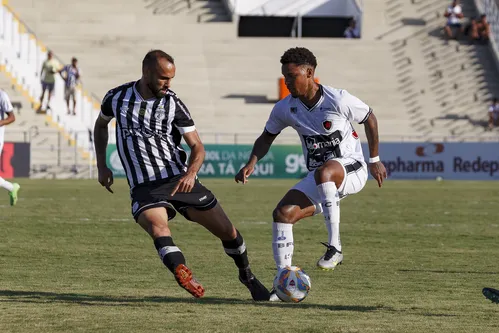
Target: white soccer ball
x,y
292,284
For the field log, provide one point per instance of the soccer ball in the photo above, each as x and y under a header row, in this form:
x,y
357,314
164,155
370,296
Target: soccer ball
x,y
292,284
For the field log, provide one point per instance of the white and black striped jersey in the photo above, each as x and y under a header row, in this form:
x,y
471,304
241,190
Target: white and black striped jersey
x,y
325,129
148,133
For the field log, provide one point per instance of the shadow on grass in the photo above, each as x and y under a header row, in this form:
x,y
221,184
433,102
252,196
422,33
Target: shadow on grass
x,y
100,300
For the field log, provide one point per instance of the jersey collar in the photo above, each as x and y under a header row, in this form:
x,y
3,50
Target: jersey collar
x,y
316,104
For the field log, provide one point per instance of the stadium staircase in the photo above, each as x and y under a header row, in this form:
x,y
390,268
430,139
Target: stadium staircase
x,y
419,87
54,153
201,10
446,86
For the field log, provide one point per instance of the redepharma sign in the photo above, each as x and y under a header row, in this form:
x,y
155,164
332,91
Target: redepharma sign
x,y
455,160
473,161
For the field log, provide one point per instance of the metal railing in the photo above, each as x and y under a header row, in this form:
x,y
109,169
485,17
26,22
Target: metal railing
x,y
53,154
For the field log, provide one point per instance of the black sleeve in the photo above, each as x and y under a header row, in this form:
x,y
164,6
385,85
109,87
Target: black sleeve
x,y
106,107
182,116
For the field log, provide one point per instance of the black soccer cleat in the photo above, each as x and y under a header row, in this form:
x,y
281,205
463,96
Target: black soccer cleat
x,y
258,291
491,294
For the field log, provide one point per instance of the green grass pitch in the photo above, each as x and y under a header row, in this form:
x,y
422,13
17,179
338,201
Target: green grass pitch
x,y
417,255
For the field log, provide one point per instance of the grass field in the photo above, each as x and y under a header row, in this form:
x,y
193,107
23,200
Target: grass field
x,y
417,255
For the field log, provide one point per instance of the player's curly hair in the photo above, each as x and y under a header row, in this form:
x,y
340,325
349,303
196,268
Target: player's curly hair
x,y
299,56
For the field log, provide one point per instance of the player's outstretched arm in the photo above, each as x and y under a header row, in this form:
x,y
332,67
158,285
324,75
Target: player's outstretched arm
x,y
101,137
186,183
376,167
260,149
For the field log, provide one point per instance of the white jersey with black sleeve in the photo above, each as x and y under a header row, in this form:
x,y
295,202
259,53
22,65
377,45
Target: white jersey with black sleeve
x,y
5,107
325,129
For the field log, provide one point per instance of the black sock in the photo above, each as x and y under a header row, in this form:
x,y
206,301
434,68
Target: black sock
x,y
169,253
236,249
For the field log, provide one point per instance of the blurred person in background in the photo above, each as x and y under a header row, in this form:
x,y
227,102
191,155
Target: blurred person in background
x,y
7,117
50,67
479,30
493,113
352,31
71,74
454,15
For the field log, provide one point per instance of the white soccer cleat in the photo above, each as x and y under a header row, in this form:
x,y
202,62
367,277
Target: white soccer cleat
x,y
273,296
330,259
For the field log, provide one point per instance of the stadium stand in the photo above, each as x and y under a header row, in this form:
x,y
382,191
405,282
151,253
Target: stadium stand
x,y
446,86
420,87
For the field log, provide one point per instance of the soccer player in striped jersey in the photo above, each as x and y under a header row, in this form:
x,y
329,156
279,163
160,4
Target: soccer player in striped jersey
x,y
322,117
150,123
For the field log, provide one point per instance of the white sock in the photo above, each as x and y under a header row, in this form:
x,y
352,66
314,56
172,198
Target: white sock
x,y
6,185
330,201
282,244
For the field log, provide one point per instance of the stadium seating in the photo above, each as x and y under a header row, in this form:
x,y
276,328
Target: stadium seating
x,y
446,86
53,154
419,87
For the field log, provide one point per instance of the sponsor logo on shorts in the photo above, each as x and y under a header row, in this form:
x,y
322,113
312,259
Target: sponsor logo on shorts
x,y
135,207
203,198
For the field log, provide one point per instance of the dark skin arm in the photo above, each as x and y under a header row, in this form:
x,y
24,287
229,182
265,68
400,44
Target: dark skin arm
x,y
9,120
101,137
260,149
377,169
186,183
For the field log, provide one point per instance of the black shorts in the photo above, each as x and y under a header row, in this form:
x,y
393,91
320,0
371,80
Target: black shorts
x,y
157,194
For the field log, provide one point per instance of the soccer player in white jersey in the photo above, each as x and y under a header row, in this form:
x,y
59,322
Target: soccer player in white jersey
x,y
150,123
322,117
7,117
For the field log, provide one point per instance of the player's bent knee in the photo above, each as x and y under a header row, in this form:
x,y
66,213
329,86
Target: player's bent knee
x,y
286,214
155,222
331,171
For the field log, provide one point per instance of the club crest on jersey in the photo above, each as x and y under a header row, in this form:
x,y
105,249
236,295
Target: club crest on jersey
x,y
355,135
293,109
142,111
160,114
327,124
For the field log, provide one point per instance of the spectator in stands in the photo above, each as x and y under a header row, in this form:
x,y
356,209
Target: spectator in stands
x,y
352,31
454,15
71,75
479,29
49,68
494,113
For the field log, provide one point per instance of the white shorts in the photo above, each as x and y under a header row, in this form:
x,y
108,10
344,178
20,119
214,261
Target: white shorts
x,y
354,181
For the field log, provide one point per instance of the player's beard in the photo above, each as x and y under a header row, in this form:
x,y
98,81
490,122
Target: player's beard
x,y
156,92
